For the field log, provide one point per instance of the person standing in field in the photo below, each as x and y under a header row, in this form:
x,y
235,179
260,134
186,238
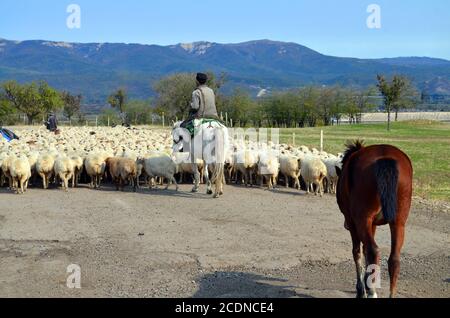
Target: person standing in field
x,y
52,122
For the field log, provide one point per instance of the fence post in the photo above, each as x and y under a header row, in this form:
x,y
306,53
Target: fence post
x,y
226,118
231,123
163,121
321,140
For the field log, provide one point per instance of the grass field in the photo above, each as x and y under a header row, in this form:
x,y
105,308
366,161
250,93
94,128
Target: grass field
x,y
426,142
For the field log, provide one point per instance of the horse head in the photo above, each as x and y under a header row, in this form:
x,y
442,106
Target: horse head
x,y
179,136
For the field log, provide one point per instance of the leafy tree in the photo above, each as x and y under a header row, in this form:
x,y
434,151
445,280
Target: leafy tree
x,y
72,104
109,116
139,111
118,99
392,92
240,107
364,102
409,98
33,99
6,112
174,93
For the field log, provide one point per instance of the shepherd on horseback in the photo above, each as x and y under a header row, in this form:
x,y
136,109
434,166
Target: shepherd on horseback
x,y
204,136
203,105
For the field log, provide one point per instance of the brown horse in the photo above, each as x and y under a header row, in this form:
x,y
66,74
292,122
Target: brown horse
x,y
374,189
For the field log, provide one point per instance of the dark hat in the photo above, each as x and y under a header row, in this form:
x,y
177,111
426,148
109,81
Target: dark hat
x,y
202,78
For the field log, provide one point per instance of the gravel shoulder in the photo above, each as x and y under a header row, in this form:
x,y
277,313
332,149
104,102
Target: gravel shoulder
x,y
250,243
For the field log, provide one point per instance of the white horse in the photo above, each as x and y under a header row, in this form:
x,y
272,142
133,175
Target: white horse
x,y
210,143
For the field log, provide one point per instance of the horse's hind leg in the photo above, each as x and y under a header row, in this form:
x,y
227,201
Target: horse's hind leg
x,y
196,178
397,239
208,181
372,254
360,285
372,268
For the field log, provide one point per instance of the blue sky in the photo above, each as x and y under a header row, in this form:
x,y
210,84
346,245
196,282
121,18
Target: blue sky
x,y
408,27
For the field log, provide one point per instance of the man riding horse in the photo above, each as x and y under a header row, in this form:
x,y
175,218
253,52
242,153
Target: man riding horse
x,y
203,105
205,137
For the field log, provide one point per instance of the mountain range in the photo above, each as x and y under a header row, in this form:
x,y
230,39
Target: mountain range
x,y
96,69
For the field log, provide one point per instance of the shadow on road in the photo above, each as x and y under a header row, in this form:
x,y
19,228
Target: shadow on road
x,y
244,285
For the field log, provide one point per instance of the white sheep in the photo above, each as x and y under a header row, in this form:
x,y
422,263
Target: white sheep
x,y
6,168
44,168
78,164
183,160
246,162
332,177
313,172
268,168
95,165
20,171
64,170
290,168
162,166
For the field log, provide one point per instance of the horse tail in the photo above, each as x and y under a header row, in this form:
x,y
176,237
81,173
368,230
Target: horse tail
x,y
386,174
219,166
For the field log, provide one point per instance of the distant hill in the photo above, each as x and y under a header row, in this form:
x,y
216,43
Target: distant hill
x,y
95,69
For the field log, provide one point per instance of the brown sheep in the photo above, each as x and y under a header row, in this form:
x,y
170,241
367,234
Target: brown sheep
x,y
112,167
128,172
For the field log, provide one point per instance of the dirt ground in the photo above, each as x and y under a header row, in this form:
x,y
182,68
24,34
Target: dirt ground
x,y
250,243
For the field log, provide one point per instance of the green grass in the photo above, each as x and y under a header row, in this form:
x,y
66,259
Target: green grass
x,y
427,144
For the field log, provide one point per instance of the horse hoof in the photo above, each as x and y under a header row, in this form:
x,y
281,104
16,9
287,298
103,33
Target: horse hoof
x,y
209,192
216,196
195,190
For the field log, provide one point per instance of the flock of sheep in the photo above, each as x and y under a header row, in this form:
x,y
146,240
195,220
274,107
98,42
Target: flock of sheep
x,y
129,157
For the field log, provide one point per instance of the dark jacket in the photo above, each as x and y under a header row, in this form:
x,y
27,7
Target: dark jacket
x,y
52,123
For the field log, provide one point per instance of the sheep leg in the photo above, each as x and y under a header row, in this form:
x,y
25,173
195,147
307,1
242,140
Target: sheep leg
x,y
66,183
122,184
21,183
15,186
286,179
176,184
99,180
10,182
137,183
26,184
43,179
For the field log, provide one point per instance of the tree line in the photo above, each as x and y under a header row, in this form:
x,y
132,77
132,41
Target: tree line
x,y
308,106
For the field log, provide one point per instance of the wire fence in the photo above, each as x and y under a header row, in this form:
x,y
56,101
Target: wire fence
x,y
161,121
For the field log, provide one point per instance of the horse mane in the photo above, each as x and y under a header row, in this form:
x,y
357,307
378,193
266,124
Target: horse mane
x,y
352,147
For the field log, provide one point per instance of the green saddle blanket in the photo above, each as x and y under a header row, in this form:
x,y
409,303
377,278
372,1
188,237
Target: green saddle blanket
x,y
193,125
